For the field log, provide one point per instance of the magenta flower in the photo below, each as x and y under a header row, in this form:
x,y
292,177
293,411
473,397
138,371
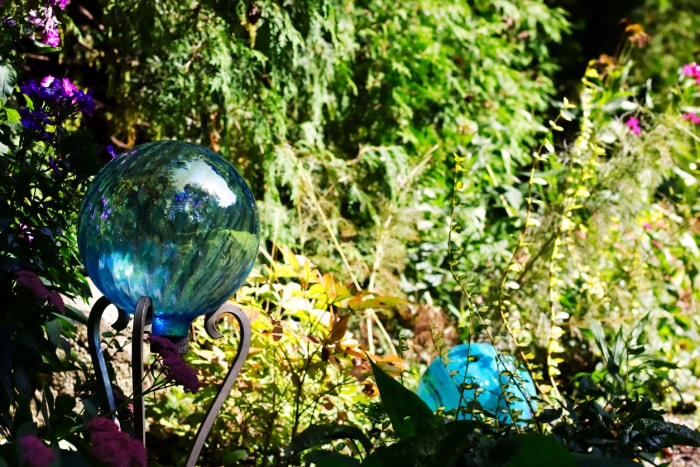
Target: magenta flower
x,y
45,20
114,447
689,69
51,37
34,453
175,367
633,124
59,3
692,117
69,88
26,232
692,70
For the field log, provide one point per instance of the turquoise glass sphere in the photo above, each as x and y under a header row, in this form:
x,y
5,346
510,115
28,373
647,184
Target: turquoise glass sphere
x,y
172,221
481,377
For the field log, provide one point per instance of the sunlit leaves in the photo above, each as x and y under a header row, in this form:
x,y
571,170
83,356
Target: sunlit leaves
x,y
8,79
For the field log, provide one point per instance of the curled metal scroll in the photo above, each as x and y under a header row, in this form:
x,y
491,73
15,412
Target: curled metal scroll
x,y
241,354
143,316
96,354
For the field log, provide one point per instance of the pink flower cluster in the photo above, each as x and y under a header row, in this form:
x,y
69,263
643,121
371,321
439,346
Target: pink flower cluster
x,y
114,447
692,70
633,124
691,117
34,453
175,367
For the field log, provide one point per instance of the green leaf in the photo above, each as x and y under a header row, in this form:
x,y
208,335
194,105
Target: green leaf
x,y
53,332
8,79
440,447
596,331
72,458
330,459
90,408
318,435
27,428
408,413
12,115
235,456
536,450
654,435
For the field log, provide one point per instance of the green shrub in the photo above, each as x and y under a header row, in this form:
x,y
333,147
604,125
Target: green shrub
x,y
340,114
305,367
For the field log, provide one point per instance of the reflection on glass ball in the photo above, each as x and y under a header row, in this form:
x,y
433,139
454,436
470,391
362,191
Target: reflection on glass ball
x,y
172,221
475,368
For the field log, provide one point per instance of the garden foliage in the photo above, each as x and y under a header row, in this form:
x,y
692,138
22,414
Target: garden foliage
x,y
406,156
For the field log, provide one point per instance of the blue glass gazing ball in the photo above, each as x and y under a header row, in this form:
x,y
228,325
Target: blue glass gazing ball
x,y
476,370
172,221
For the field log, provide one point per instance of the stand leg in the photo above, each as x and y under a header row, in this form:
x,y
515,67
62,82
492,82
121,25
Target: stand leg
x,y
142,317
225,389
98,359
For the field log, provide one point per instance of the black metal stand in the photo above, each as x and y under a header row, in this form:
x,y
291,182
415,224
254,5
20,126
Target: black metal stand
x,y
143,316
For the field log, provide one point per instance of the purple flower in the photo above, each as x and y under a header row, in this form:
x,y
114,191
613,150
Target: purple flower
x,y
182,374
118,450
30,87
163,346
36,121
34,453
107,152
633,124
114,447
35,18
692,117
50,87
55,100
31,281
85,101
175,367
54,166
45,20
